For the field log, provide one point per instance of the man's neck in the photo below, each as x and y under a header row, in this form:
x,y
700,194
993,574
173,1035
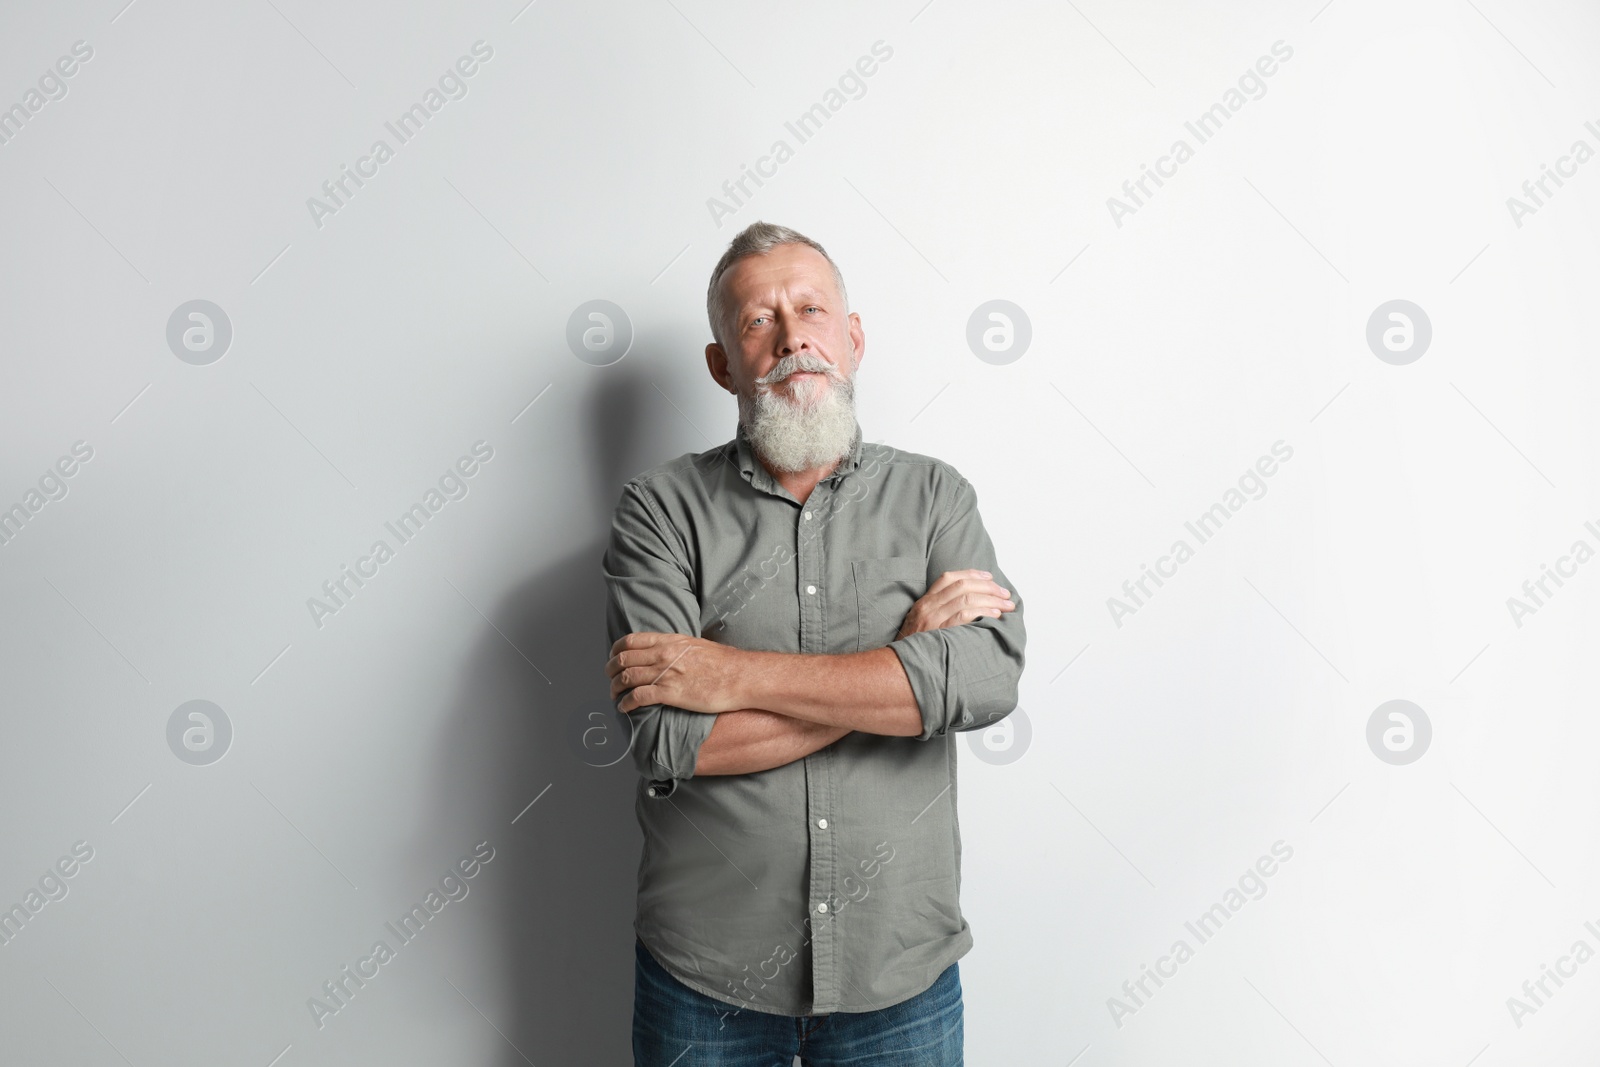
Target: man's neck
x,y
799,484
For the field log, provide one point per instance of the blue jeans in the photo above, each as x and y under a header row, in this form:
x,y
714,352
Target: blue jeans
x,y
675,1026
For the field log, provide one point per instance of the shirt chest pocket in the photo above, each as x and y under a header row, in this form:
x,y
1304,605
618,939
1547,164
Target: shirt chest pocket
x,y
885,589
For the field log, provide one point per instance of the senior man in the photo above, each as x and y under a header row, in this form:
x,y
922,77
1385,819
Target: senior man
x,y
801,624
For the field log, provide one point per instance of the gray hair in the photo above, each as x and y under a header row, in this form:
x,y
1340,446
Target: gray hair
x,y
757,239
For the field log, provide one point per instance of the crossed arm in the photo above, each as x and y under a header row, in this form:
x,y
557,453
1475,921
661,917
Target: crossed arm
x,y
706,708
773,708
754,739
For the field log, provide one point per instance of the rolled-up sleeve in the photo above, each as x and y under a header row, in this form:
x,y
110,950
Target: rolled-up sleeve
x,y
648,587
965,677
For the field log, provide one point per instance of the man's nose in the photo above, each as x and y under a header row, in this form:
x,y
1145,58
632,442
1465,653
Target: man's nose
x,y
792,338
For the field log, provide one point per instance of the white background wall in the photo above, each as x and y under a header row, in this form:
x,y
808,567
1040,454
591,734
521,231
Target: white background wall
x,y
1168,753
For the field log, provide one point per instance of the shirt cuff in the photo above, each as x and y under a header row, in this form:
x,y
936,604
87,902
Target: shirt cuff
x,y
960,677
674,749
928,659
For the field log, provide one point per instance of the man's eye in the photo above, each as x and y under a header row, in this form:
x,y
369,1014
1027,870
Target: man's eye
x,y
809,307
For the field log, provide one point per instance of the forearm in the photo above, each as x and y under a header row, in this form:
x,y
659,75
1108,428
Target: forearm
x,y
866,691
754,739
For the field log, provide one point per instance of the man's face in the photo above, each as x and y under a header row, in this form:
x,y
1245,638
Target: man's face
x,y
788,334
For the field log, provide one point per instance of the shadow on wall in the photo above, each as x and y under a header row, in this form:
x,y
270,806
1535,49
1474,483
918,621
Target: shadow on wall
x,y
534,716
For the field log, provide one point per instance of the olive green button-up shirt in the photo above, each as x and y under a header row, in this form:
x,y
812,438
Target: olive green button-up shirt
x,y
831,883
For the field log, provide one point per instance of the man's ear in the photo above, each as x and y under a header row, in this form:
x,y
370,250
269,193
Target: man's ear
x,y
858,337
717,364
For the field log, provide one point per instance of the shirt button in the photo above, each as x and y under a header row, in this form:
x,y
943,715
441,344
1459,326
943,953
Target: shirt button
x,y
822,823
651,791
811,589
808,515
823,906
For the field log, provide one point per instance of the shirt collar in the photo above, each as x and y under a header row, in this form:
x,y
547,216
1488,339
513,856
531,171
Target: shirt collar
x,y
757,475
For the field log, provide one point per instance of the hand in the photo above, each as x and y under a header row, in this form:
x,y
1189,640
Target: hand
x,y
686,672
956,597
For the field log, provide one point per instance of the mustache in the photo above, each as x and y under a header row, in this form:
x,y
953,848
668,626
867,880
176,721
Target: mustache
x,y
795,364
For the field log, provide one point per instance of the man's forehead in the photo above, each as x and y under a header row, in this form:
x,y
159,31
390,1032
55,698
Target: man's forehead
x,y
762,275
794,288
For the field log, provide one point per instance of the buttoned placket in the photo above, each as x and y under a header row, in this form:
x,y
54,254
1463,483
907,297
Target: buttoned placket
x,y
811,574
821,789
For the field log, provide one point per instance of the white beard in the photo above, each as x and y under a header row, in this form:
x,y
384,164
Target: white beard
x,y
814,429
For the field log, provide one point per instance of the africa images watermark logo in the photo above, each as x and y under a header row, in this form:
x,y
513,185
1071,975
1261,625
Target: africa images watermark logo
x,y
454,484
1002,742
1203,527
452,85
999,332
1205,126
52,886
338,991
199,332
1536,991
1537,191
1251,885
738,591
1399,732
599,735
52,486
1536,592
599,332
1399,332
736,191
52,86
199,732
856,890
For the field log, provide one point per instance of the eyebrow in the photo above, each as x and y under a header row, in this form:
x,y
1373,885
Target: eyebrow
x,y
812,295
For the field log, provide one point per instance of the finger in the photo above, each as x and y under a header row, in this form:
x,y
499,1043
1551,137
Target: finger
x,y
1001,600
973,579
994,589
949,578
637,639
638,660
984,585
974,606
980,607
625,659
639,696
951,596
631,681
